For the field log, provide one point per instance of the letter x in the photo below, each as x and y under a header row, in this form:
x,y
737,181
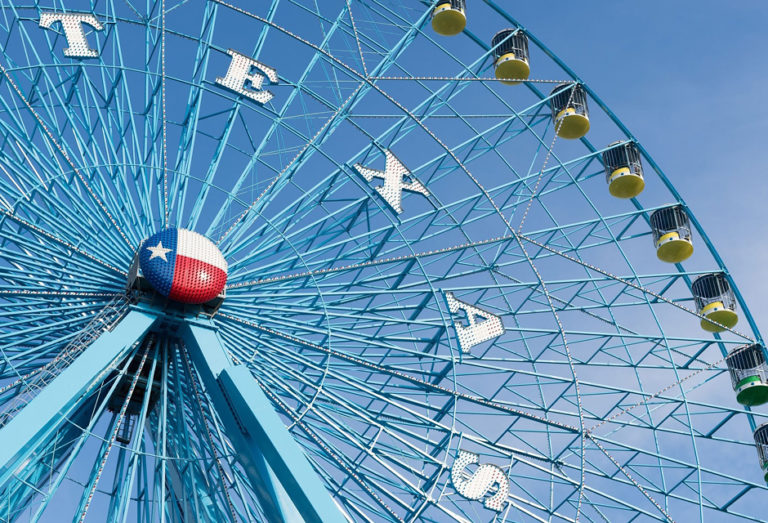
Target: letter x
x,y
394,174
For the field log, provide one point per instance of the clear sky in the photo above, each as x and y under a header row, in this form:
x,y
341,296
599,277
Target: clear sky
x,y
690,81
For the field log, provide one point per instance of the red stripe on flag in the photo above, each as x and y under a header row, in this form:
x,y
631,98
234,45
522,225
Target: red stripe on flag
x,y
196,281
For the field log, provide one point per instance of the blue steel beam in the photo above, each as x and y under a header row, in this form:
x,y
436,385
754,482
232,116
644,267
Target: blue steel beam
x,y
209,364
256,430
40,417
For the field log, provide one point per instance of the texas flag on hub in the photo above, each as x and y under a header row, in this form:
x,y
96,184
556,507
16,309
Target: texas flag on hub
x,y
183,265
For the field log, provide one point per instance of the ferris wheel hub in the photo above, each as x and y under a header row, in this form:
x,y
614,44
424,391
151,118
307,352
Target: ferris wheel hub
x,y
182,265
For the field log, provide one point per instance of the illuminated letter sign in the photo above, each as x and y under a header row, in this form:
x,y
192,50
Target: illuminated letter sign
x,y
480,483
73,31
241,73
476,332
393,175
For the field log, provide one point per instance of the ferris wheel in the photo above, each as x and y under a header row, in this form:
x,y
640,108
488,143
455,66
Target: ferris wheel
x,y
353,260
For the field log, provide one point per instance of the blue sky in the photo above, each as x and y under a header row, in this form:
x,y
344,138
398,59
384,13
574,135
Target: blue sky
x,y
689,80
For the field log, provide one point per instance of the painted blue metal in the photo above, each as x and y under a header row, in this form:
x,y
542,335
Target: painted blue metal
x,y
255,428
33,424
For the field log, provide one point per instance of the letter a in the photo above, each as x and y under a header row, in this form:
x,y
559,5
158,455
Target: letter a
x,y
476,332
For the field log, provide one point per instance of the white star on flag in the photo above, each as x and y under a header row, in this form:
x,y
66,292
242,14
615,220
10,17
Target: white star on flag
x,y
158,251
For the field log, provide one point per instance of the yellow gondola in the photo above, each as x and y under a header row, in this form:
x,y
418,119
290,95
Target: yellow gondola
x,y
449,18
672,234
623,170
570,114
510,50
715,301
